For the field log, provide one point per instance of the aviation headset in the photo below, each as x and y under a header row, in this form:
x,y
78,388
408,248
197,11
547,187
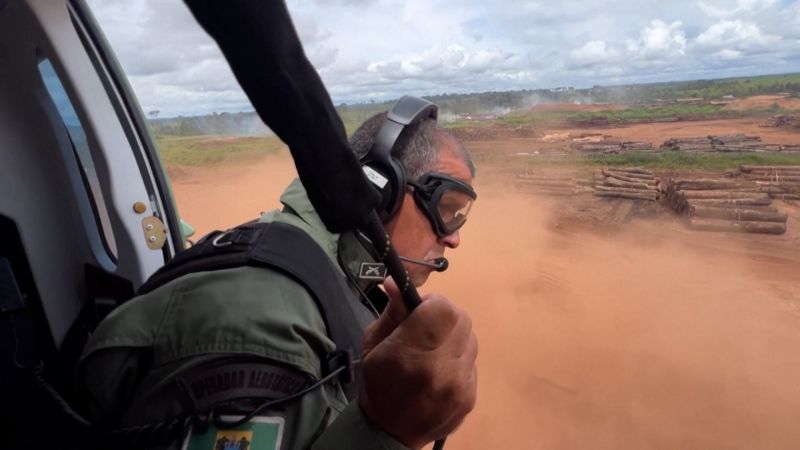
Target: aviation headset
x,y
380,167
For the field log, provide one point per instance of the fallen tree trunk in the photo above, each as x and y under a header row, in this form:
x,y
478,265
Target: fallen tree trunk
x,y
739,214
698,223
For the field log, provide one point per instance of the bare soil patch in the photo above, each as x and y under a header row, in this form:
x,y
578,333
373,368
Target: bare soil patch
x,y
763,102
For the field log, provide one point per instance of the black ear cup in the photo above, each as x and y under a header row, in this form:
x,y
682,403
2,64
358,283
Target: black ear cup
x,y
389,178
384,171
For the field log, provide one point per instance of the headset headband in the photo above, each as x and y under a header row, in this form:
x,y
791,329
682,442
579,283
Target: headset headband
x,y
407,110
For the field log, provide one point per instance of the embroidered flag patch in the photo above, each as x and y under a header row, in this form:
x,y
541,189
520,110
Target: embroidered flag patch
x,y
261,433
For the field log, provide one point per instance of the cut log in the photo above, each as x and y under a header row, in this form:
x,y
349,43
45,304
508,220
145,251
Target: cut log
x,y
746,168
626,184
764,173
735,138
712,184
643,175
628,195
785,196
629,179
637,170
781,184
772,178
736,214
780,189
622,189
720,194
730,203
759,208
698,223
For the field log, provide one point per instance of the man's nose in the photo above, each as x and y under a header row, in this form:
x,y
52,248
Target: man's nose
x,y
452,240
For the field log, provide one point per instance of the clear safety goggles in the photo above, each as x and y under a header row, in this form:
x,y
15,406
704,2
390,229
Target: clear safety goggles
x,y
445,200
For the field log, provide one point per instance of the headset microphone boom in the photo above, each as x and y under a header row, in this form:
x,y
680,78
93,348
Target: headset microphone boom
x,y
439,264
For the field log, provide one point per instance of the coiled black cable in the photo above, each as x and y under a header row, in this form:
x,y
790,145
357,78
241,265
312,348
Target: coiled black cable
x,y
40,381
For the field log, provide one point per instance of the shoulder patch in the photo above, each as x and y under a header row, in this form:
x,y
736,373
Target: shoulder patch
x,y
260,433
209,385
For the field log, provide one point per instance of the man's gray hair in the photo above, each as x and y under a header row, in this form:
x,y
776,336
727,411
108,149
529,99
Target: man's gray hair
x,y
416,148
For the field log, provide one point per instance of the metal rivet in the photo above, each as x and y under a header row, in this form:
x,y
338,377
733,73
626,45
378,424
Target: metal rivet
x,y
149,227
152,238
139,207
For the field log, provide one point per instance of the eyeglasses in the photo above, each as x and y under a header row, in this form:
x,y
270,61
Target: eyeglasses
x,y
445,200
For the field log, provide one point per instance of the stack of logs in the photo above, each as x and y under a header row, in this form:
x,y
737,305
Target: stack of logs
x,y
725,205
609,146
632,183
780,182
725,143
548,184
783,120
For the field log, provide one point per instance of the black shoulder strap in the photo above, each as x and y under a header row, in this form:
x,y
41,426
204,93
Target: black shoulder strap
x,y
284,248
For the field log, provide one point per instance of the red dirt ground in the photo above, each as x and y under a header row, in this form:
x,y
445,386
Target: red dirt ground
x,y
764,102
649,337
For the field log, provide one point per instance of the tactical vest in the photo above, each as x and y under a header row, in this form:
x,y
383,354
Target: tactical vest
x,y
291,251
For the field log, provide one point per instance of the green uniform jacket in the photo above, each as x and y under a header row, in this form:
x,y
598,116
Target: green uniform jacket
x,y
129,365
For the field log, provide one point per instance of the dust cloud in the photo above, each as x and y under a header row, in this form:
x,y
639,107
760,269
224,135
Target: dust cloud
x,y
625,340
640,338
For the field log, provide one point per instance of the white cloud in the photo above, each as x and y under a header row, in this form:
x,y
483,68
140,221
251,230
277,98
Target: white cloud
x,y
727,54
381,49
742,7
592,53
659,39
735,33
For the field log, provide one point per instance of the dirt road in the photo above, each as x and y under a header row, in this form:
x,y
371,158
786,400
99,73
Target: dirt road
x,y
651,337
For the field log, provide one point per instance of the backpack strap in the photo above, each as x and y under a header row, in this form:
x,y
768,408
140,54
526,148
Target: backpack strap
x,y
291,251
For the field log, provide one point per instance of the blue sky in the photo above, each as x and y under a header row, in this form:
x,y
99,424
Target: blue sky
x,y
381,49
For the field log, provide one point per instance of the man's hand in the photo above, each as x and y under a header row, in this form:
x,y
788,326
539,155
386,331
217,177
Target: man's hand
x,y
420,378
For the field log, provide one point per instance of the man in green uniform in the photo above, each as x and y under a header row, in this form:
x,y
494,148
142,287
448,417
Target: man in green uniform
x,y
201,340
